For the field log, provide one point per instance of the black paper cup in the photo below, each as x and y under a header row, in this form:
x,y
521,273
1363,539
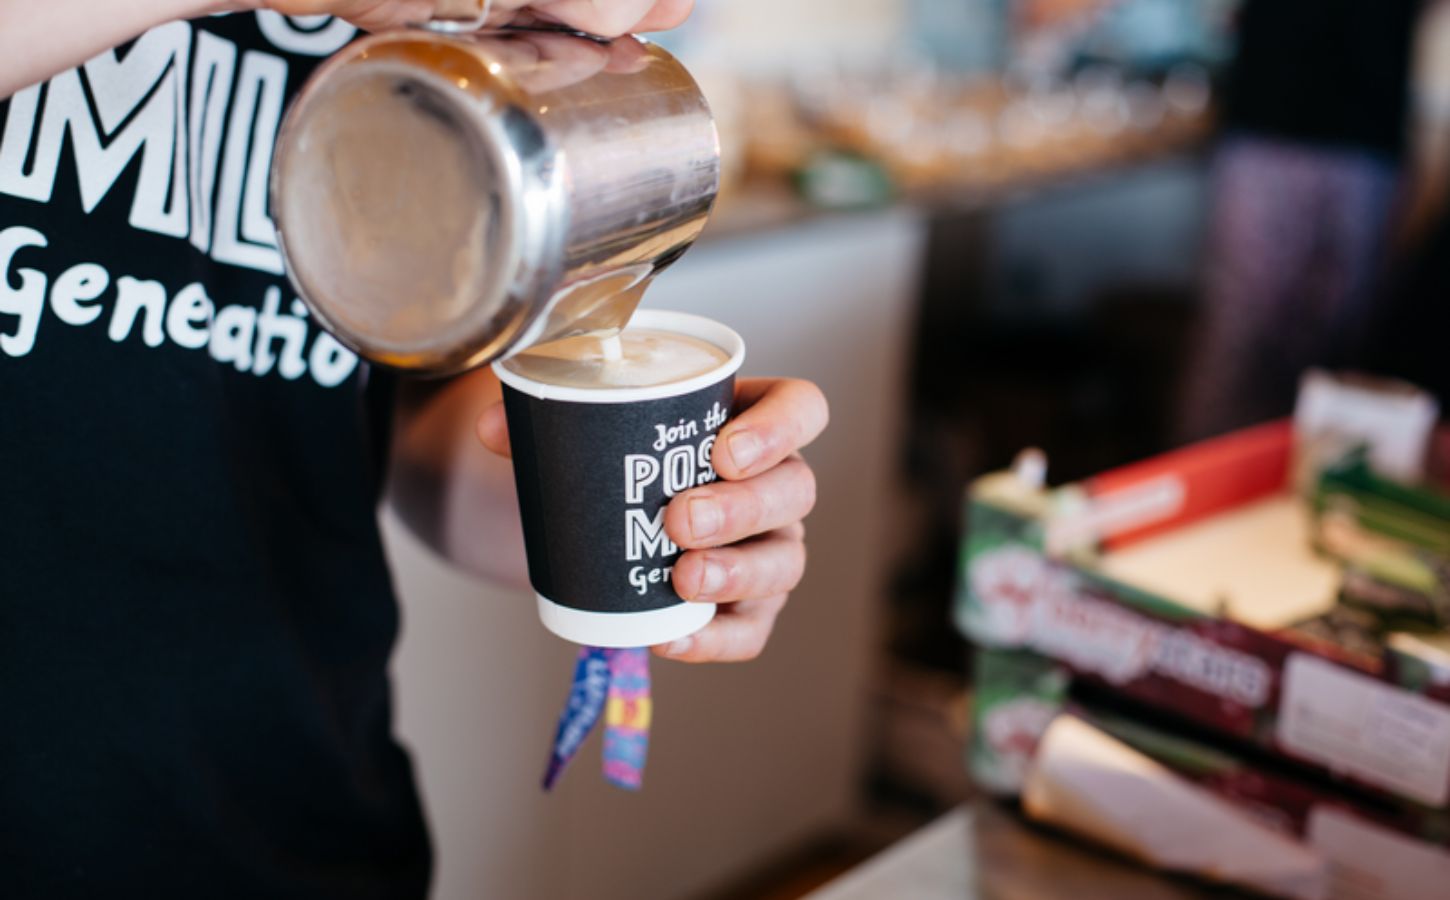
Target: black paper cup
x,y
595,469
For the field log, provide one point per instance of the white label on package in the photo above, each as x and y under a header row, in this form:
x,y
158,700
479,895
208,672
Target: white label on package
x,y
1357,726
1111,514
1372,863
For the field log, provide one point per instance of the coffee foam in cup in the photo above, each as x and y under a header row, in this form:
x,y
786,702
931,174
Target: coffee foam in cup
x,y
637,357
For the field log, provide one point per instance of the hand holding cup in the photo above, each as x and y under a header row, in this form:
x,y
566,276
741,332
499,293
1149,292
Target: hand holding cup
x,y
742,534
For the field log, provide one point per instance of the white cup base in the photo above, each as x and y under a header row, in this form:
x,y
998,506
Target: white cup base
x,y
623,630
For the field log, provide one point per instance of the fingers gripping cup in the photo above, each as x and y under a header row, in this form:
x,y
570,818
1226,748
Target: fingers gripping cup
x,y
604,435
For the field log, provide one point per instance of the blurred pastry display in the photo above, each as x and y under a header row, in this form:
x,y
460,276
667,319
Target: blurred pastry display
x,y
929,131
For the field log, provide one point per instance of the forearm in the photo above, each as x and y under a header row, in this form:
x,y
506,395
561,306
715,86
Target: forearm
x,y
39,39
451,492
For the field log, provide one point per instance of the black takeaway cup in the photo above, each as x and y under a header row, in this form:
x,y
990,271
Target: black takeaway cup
x,y
605,432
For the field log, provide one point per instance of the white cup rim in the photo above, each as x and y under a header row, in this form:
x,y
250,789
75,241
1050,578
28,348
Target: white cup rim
x,y
687,324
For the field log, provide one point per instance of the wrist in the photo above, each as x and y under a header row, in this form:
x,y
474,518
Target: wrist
x,y
171,10
196,8
228,6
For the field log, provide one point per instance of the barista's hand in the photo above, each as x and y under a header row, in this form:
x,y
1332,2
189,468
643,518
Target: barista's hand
x,y
745,540
603,17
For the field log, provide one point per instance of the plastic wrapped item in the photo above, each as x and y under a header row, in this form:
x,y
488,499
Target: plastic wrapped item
x,y
1086,782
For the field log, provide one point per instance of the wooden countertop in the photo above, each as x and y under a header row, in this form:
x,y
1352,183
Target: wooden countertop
x,y
982,851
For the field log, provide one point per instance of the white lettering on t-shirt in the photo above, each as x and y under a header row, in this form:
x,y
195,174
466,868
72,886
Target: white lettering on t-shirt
x,y
257,342
331,362
213,71
290,330
195,118
307,35
74,289
144,298
188,321
26,301
245,235
231,336
137,101
201,117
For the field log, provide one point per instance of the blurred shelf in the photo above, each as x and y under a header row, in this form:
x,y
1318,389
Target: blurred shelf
x,y
766,204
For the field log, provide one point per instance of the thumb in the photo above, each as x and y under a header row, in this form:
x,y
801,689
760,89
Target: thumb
x,y
493,430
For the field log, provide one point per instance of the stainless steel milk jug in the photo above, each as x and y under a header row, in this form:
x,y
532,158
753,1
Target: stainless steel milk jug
x,y
444,200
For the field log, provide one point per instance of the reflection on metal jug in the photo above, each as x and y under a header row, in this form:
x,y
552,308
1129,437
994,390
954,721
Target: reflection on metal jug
x,y
445,200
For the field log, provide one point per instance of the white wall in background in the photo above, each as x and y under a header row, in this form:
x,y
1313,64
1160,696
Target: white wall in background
x,y
770,35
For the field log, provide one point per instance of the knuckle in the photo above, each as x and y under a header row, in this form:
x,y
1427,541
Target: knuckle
x,y
779,439
750,510
706,648
738,578
750,648
814,407
677,520
797,496
808,488
822,405
688,578
797,564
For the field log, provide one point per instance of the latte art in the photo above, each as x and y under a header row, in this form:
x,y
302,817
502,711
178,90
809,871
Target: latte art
x,y
635,358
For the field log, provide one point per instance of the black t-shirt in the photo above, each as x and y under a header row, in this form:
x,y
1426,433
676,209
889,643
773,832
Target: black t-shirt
x,y
195,612
1329,72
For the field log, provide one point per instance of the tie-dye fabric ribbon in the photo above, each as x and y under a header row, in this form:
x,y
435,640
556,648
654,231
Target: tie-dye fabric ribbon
x,y
615,684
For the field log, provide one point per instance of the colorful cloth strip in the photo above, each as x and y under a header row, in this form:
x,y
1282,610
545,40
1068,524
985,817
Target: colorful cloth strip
x,y
615,684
